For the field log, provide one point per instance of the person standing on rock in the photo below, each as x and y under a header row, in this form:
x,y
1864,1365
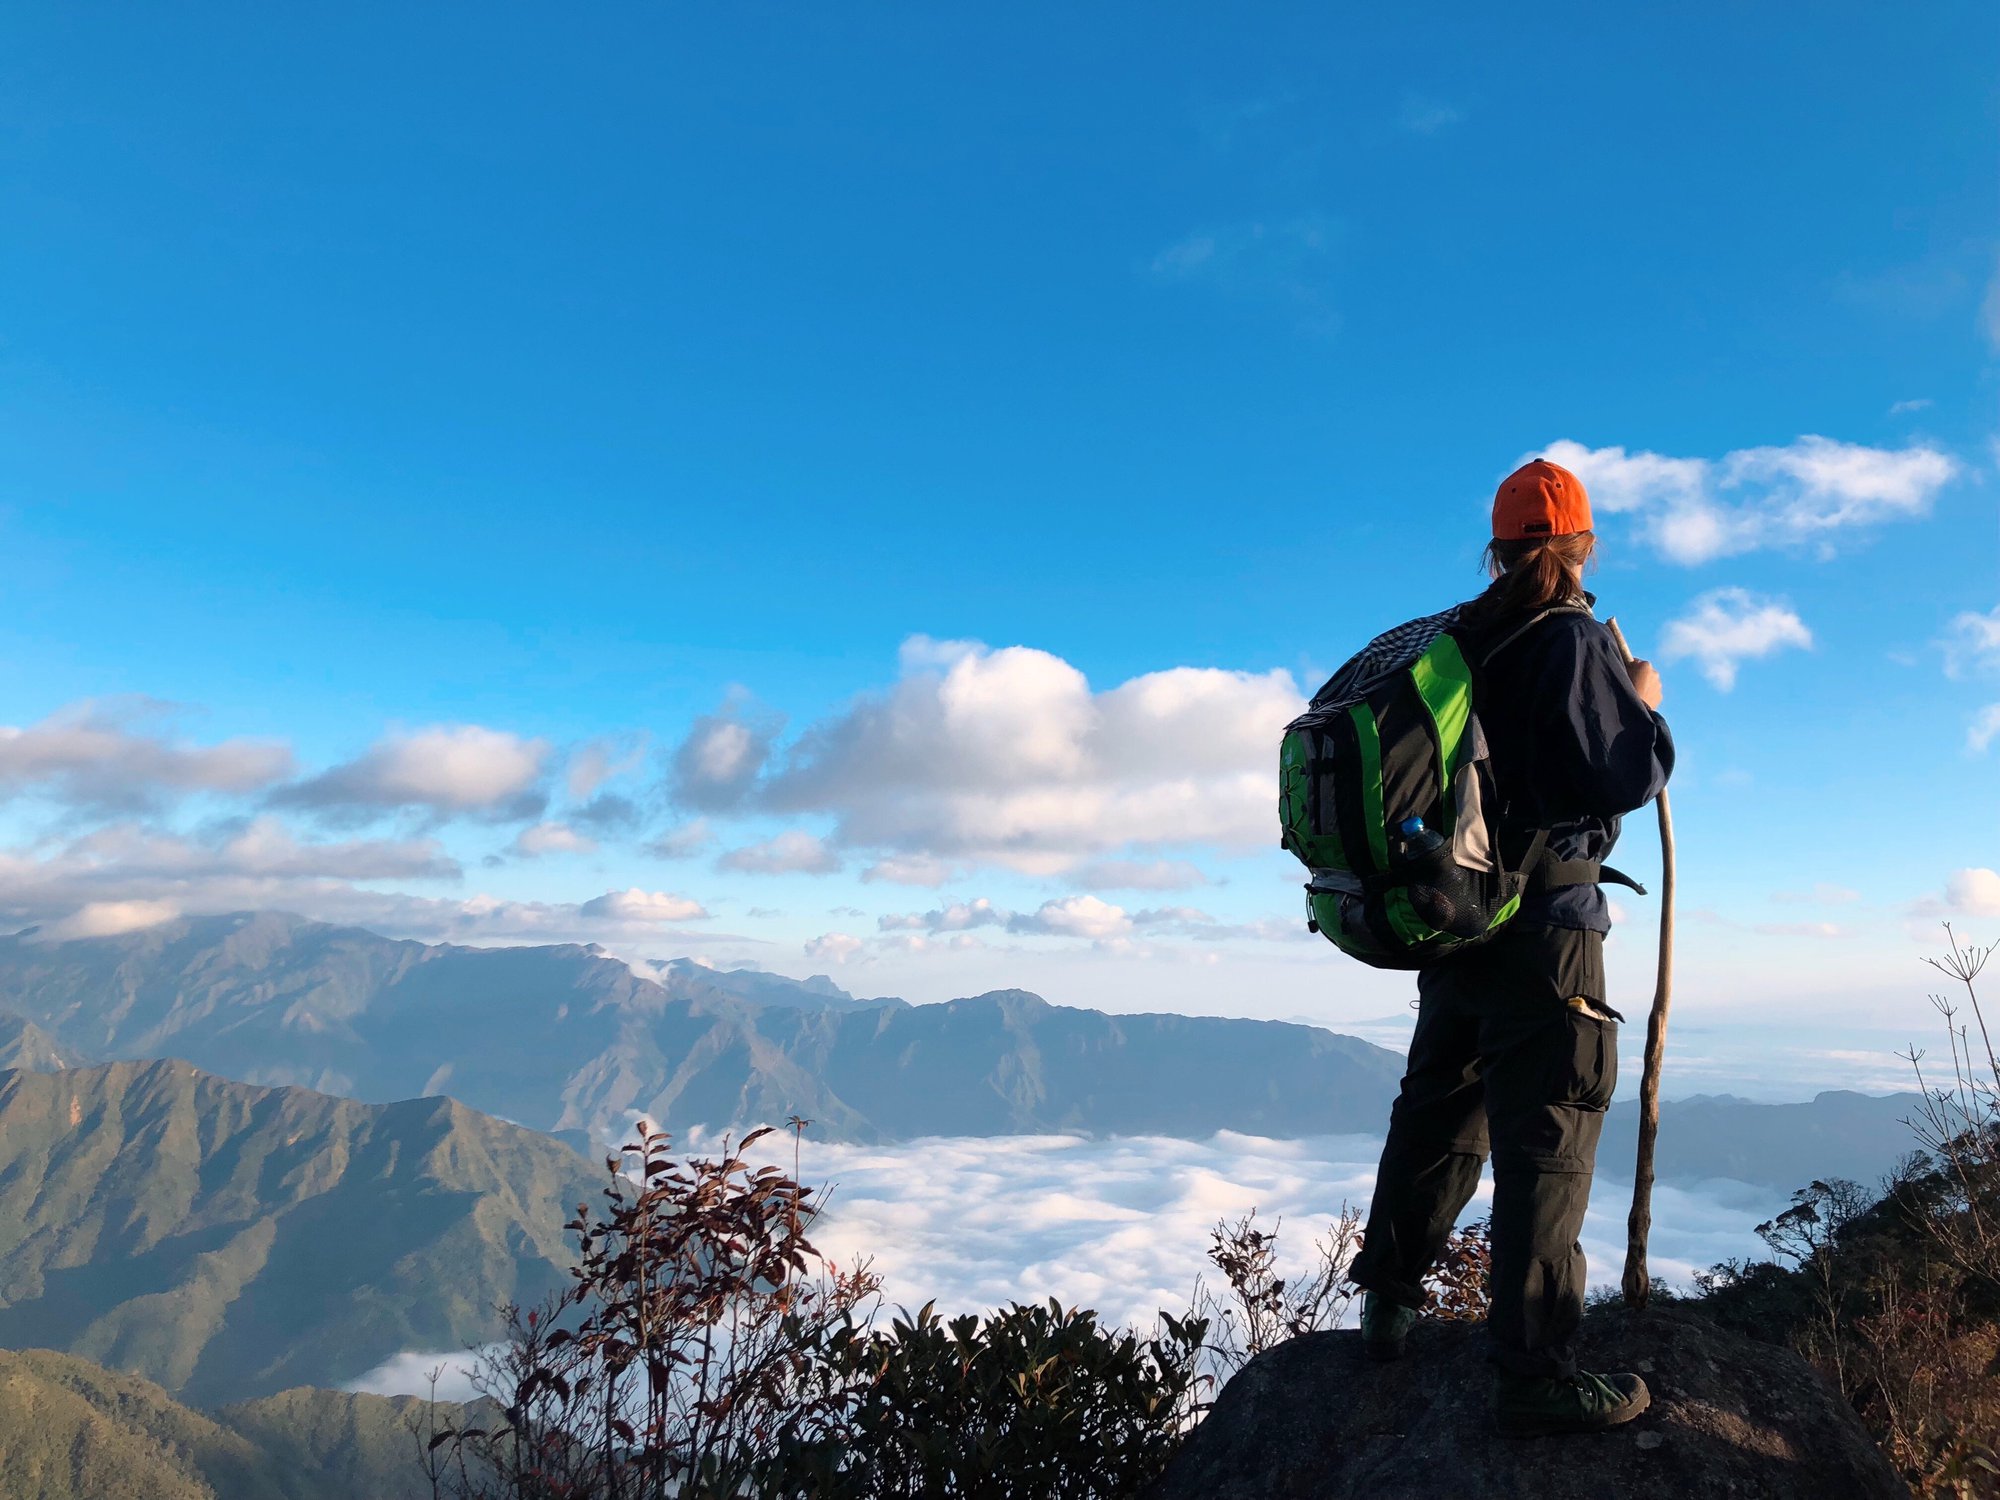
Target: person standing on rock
x,y
1515,1050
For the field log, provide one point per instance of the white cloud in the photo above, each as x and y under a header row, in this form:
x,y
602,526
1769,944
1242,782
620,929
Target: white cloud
x,y
719,761
447,768
1984,729
833,947
551,838
1976,892
1695,510
109,918
1972,643
1726,627
1904,408
1008,757
960,916
1074,916
97,754
793,852
410,1374
636,905
1122,1224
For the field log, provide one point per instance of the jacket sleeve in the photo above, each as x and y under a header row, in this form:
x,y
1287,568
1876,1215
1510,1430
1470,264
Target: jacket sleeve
x,y
1602,751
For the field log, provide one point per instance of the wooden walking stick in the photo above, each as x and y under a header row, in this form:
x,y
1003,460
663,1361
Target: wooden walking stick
x,y
1638,1283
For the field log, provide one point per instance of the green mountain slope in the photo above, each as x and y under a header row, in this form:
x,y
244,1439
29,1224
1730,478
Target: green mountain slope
x,y
228,1241
72,1431
566,1038
352,1445
23,1044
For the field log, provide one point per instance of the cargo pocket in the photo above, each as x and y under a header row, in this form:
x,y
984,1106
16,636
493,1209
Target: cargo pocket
x,y
1591,1073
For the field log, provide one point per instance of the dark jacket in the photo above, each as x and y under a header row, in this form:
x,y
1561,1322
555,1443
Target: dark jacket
x,y
1573,746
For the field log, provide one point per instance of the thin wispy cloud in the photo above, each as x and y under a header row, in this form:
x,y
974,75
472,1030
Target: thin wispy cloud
x,y
793,852
1972,643
1140,875
1287,263
1423,115
683,840
538,839
597,761
1983,730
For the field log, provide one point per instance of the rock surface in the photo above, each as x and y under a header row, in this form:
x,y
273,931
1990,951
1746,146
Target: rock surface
x,y
1730,1418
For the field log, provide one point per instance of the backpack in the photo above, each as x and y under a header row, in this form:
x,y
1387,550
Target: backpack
x,y
1392,738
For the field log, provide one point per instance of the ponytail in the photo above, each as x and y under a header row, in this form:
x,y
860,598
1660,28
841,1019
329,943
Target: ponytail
x,y
1532,575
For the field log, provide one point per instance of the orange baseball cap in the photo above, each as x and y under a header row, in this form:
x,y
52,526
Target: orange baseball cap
x,y
1539,499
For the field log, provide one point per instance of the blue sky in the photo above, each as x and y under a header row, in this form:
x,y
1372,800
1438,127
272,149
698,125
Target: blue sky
x,y
450,414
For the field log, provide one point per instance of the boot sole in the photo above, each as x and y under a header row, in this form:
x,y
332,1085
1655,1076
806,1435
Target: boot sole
x,y
1534,1427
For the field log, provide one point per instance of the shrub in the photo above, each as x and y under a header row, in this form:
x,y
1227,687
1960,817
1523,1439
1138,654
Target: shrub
x,y
707,1350
1897,1298
1033,1400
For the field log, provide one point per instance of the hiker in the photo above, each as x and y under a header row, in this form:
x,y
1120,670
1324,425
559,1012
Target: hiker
x,y
1515,1050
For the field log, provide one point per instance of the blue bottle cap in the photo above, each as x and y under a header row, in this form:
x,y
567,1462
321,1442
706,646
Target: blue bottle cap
x,y
1409,828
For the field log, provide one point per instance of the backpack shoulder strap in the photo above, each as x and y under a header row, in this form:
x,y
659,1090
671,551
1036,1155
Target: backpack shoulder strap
x,y
1527,625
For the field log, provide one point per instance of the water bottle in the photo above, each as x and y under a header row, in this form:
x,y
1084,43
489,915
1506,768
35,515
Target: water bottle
x,y
1439,891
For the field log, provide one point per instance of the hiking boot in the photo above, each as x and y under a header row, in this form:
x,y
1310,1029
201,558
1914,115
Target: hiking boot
x,y
1385,1325
1534,1406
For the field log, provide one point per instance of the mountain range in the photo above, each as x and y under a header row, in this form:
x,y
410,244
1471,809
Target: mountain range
x,y
229,1241
567,1038
1837,1133
572,1041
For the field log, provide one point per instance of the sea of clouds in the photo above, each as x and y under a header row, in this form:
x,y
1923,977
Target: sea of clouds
x,y
1122,1224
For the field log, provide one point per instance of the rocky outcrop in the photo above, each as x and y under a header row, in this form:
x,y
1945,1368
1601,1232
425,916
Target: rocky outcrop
x,y
1730,1418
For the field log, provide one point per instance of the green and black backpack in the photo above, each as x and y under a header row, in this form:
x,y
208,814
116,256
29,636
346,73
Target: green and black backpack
x,y
1386,795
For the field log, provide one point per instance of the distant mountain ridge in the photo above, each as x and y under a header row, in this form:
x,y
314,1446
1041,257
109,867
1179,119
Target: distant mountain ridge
x,y
1838,1133
228,1241
570,1040
567,1038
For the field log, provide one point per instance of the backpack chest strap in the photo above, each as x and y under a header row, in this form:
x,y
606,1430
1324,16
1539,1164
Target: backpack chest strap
x,y
1553,873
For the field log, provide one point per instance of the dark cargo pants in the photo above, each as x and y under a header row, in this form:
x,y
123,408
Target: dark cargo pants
x,y
1501,1055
